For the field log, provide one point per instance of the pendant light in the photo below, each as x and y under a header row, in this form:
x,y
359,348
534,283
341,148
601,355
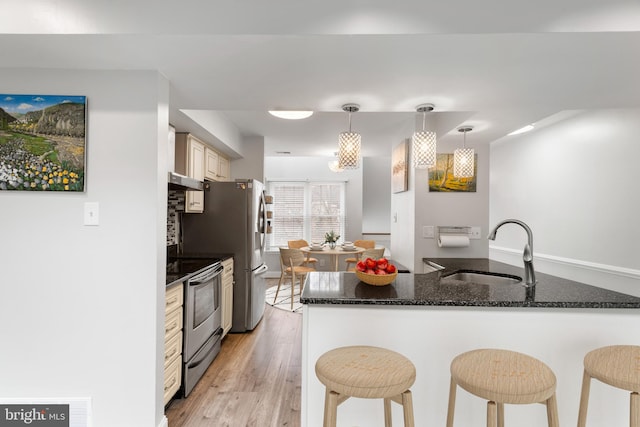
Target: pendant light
x,y
349,143
424,142
463,158
334,165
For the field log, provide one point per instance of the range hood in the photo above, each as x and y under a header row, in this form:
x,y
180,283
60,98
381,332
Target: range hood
x,y
181,182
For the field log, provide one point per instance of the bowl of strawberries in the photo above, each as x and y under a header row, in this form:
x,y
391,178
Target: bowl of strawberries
x,y
376,272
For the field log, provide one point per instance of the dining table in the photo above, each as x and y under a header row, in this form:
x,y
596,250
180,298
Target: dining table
x,y
333,253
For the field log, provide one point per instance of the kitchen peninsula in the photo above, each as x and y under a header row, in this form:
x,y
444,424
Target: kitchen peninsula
x,y
431,319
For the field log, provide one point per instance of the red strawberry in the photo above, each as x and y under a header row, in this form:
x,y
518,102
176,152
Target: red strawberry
x,y
380,271
391,269
370,263
370,271
360,266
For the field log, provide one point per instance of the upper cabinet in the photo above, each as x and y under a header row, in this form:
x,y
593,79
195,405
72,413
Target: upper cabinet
x,y
216,166
190,161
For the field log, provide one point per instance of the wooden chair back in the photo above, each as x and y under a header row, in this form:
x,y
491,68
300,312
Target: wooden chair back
x,y
297,244
372,253
291,257
366,244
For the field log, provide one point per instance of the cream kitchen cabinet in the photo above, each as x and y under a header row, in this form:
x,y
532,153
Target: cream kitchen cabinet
x,y
173,341
216,165
190,161
227,295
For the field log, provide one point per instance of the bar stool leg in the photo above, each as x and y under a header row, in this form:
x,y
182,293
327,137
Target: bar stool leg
x,y
552,411
330,408
452,403
584,399
635,410
407,407
500,414
492,414
387,412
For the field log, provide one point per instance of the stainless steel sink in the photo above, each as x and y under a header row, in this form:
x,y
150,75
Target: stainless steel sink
x,y
484,278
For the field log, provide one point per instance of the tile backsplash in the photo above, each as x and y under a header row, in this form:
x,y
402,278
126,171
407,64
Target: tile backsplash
x,y
175,205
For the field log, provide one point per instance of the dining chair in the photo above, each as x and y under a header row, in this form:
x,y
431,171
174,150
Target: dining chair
x,y
292,266
375,253
297,244
366,244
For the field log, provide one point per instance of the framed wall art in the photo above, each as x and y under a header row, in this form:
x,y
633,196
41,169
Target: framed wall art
x,y
441,177
42,142
399,169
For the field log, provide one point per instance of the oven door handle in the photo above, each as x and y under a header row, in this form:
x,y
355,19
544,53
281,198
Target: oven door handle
x,y
198,362
205,276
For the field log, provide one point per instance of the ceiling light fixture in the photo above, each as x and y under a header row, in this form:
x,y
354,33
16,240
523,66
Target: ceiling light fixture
x,y
463,158
291,115
523,129
334,165
424,142
349,143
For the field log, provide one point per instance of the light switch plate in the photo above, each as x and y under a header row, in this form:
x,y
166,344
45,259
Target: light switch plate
x,y
91,213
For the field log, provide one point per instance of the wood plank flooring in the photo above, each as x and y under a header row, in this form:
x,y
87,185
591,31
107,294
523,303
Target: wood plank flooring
x,y
254,382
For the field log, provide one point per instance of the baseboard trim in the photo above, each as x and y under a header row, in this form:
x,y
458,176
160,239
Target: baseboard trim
x,y
620,279
164,422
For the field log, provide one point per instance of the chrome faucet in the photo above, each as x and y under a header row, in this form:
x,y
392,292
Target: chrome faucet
x,y
527,256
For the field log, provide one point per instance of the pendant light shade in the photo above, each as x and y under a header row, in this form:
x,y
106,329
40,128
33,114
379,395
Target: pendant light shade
x,y
349,143
424,142
463,158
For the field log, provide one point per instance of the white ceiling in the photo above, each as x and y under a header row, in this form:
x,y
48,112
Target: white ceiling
x,y
497,64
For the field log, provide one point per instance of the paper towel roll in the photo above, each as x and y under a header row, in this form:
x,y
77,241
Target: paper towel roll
x,y
453,241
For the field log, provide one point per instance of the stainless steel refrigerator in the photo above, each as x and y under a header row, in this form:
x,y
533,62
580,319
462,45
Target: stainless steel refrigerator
x,y
234,222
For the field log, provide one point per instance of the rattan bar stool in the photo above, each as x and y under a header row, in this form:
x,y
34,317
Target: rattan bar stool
x,y
366,372
617,366
503,376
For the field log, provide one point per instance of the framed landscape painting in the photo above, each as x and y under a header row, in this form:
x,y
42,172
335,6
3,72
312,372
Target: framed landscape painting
x,y
399,171
42,142
441,177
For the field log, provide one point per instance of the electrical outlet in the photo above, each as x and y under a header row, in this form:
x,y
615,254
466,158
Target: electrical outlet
x,y
474,233
428,231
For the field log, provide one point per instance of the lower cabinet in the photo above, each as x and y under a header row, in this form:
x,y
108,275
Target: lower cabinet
x,y
227,295
173,341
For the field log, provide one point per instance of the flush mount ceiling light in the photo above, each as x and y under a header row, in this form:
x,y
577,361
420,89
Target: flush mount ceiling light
x,y
291,115
463,158
334,165
349,143
424,142
523,129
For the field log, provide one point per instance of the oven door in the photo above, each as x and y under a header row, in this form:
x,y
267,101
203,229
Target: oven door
x,y
202,316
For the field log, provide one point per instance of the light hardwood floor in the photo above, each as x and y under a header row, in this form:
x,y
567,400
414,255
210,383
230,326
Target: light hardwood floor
x,y
254,381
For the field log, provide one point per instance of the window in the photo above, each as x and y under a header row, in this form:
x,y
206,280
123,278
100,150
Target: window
x,y
305,210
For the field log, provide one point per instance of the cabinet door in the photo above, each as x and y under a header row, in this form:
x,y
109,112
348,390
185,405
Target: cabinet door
x,y
195,162
211,161
227,295
223,169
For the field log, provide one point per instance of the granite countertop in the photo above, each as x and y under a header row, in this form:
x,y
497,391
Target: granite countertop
x,y
428,289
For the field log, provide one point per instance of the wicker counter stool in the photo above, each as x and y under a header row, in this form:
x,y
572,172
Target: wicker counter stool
x,y
366,372
503,376
617,366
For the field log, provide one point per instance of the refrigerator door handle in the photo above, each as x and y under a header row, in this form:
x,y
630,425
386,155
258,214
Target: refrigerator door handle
x,y
262,224
261,270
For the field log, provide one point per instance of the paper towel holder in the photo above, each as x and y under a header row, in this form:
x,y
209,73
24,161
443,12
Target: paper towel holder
x,y
455,230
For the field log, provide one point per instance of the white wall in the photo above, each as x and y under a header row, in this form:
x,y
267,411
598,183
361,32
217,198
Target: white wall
x,y
80,305
575,183
376,199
